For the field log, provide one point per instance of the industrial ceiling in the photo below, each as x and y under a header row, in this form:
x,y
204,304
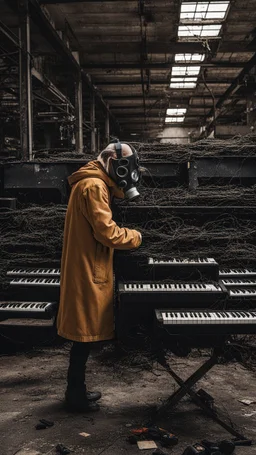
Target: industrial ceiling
x,y
156,62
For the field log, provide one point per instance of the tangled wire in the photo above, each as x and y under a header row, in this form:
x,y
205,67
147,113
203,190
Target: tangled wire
x,y
33,236
229,240
210,195
242,146
60,155
30,236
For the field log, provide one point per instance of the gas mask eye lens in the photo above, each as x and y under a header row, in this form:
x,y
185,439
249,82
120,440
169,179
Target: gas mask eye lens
x,y
123,162
135,175
122,171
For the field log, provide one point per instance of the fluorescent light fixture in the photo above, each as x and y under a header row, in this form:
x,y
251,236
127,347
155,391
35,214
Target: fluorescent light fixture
x,y
189,58
176,111
203,10
185,70
191,31
174,119
133,134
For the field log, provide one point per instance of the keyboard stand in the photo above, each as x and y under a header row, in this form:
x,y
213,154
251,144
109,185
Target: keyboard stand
x,y
186,389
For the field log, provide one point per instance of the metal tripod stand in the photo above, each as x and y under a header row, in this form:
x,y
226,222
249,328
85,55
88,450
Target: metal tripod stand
x,y
186,388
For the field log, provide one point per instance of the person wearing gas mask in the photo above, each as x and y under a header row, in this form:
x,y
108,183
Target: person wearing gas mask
x,y
86,313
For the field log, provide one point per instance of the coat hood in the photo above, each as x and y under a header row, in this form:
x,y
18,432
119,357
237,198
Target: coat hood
x,y
94,169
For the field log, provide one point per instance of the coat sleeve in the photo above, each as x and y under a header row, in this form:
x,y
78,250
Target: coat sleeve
x,y
95,207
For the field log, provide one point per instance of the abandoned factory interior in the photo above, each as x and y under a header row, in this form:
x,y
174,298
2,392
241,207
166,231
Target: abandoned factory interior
x,y
127,227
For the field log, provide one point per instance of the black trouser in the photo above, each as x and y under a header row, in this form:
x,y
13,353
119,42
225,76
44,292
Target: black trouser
x,y
78,357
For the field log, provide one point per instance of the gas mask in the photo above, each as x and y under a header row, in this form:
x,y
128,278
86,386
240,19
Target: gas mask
x,y
125,171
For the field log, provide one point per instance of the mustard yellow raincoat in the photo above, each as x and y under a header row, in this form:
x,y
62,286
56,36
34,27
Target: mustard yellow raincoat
x,y
86,310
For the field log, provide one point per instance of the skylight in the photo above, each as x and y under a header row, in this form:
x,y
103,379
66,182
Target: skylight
x,y
176,111
189,58
204,10
185,70
183,83
199,30
174,119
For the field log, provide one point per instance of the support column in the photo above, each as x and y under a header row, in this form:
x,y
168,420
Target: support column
x,y
79,114
1,135
251,111
93,130
98,140
26,106
107,129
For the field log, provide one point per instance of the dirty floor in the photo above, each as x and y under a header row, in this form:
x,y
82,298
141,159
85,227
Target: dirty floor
x,y
32,385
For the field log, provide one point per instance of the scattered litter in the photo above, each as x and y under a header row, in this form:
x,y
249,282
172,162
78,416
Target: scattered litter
x,y
243,442
132,439
196,449
226,447
206,447
247,402
159,452
144,445
168,440
157,434
27,452
85,435
41,426
154,433
128,425
48,423
250,414
62,450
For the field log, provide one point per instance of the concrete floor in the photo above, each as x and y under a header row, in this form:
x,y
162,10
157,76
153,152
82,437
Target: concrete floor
x,y
33,384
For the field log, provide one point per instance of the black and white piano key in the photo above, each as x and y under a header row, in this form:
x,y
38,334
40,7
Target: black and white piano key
x,y
207,317
237,273
184,268
241,292
33,272
165,287
205,323
175,261
236,282
36,310
44,282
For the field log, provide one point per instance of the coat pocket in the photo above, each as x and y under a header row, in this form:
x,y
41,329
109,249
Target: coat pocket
x,y
101,264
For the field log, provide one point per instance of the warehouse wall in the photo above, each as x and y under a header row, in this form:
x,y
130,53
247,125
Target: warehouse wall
x,y
175,135
228,131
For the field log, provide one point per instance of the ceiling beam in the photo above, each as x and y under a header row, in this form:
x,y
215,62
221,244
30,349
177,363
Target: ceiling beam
x,y
155,117
164,65
124,47
158,82
173,100
135,108
55,2
158,47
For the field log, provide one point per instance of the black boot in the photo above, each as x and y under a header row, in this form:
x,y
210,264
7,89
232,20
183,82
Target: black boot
x,y
93,396
77,400
77,397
